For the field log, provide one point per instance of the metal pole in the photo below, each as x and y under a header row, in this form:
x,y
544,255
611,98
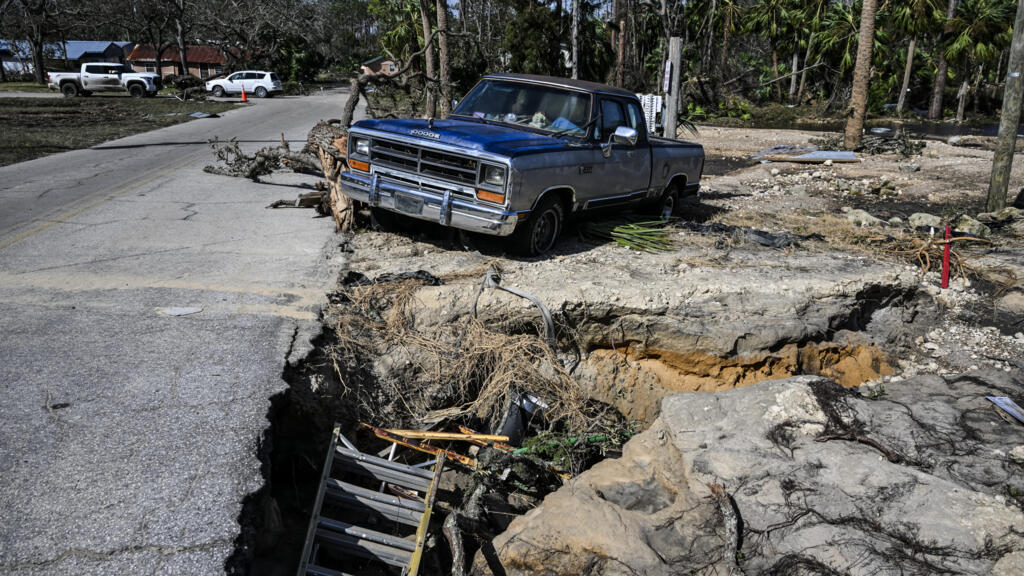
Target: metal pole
x,y
675,55
1009,120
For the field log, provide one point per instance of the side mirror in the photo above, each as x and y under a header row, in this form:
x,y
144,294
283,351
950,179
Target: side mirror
x,y
622,135
625,135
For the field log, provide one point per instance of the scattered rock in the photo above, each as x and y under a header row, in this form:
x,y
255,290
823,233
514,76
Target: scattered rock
x,y
895,221
982,142
789,474
1005,215
861,218
919,219
1012,303
972,226
775,171
907,168
799,190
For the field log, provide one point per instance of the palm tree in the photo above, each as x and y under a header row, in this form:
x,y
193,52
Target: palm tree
x,y
770,18
813,14
942,68
912,18
732,14
980,30
861,71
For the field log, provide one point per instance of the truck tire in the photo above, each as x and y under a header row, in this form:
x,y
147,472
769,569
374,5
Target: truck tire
x,y
540,231
69,89
136,90
260,92
666,206
218,91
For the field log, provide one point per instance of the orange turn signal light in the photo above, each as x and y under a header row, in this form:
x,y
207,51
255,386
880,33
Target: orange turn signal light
x,y
490,196
357,165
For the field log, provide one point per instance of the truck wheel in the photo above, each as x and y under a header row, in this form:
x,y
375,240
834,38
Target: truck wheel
x,y
136,91
666,205
218,91
69,89
260,92
540,231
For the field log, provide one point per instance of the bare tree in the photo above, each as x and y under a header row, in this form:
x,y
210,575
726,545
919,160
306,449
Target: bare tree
x,y
182,12
38,21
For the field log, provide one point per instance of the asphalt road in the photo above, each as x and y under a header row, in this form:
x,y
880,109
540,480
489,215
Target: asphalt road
x,y
128,437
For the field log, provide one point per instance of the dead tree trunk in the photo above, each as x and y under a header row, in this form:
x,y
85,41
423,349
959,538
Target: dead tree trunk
x,y
428,55
330,142
906,77
442,52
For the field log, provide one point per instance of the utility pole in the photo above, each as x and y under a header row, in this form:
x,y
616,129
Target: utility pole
x,y
1009,119
675,57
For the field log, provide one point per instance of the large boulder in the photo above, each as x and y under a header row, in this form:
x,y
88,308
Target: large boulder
x,y
795,476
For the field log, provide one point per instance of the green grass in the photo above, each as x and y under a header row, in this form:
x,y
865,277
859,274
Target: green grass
x,y
22,87
35,127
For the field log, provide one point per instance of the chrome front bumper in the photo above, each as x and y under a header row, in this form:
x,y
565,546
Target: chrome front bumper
x,y
446,208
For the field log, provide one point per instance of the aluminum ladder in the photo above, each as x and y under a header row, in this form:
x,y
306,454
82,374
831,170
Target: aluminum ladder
x,y
333,533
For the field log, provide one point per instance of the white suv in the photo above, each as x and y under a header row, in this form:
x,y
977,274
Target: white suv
x,y
256,82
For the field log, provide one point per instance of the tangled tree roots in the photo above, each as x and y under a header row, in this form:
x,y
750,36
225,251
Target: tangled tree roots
x,y
466,370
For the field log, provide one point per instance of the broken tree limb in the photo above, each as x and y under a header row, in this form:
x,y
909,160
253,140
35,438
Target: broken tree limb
x,y
428,435
234,162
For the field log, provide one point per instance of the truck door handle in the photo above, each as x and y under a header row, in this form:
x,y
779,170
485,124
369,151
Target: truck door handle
x,y
588,169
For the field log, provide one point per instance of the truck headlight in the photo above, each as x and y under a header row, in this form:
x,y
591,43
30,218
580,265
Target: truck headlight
x,y
494,175
363,146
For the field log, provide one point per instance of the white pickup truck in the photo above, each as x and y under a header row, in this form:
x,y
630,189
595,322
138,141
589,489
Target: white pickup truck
x,y
104,77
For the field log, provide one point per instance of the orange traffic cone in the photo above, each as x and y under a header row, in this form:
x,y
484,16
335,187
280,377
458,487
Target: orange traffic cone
x,y
244,99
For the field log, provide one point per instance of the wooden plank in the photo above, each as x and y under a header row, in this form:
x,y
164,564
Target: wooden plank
x,y
421,532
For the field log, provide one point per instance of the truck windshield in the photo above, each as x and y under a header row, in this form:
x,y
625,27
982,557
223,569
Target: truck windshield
x,y
542,107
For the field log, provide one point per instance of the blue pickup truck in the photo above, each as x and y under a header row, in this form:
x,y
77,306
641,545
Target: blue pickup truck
x,y
518,156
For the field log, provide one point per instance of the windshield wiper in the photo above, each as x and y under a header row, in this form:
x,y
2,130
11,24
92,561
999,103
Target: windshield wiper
x,y
582,129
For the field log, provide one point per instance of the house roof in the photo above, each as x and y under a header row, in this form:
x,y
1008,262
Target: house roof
x,y
16,46
78,48
194,54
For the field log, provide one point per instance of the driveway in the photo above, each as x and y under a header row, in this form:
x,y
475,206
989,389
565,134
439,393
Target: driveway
x,y
129,434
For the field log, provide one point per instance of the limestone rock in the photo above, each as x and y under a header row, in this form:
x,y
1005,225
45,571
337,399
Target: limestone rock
x,y
972,226
918,219
794,476
1005,215
907,168
860,217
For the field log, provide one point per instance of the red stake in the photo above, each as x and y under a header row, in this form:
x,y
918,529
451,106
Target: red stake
x,y
945,260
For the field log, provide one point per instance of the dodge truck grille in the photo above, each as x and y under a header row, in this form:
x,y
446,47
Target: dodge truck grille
x,y
424,161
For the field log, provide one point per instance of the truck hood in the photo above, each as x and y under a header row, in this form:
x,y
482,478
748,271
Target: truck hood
x,y
491,138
